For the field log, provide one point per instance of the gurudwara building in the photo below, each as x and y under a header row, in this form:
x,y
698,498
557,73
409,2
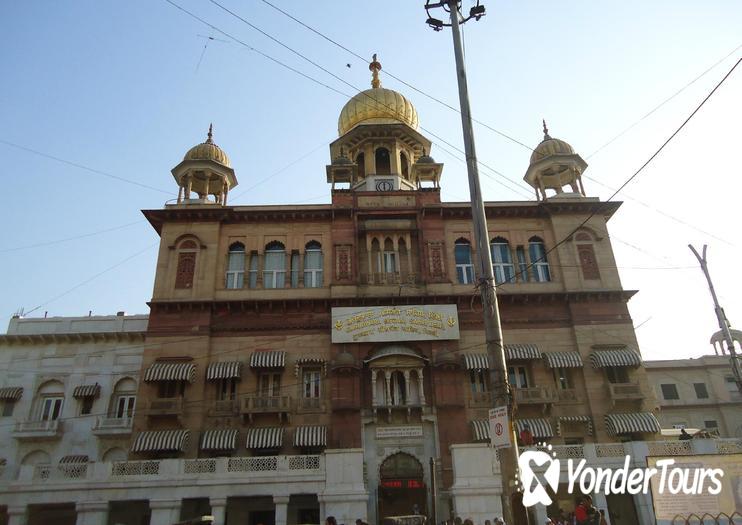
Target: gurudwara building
x,y
302,361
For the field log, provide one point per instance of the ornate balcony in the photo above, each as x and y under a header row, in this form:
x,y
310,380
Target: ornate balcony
x,y
38,430
625,392
166,406
280,405
311,404
112,426
225,407
389,279
535,395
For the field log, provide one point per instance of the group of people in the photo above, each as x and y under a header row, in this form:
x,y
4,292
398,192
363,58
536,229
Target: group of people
x,y
584,514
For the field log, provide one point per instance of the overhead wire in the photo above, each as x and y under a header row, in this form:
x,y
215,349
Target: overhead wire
x,y
73,238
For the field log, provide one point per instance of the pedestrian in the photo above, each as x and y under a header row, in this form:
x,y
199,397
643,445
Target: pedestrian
x,y
684,436
602,517
330,520
487,522
526,436
499,521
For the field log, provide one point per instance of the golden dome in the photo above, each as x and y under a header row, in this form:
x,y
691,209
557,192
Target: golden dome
x,y
376,106
550,146
208,151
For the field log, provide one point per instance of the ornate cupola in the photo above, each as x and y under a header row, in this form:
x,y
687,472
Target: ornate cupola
x,y
205,170
379,148
554,164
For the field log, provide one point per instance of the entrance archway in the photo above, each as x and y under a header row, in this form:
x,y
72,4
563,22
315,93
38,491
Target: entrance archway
x,y
402,489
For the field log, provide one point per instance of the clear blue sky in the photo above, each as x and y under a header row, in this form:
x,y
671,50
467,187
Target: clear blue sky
x,y
114,86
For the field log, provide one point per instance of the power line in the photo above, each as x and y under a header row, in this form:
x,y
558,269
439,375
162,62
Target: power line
x,y
82,166
67,239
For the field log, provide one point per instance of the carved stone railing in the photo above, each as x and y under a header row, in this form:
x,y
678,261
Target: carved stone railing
x,y
112,425
166,406
266,404
624,391
535,394
38,429
609,450
669,448
135,468
393,278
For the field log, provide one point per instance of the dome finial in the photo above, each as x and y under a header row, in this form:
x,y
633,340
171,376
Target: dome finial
x,y
546,130
375,67
210,134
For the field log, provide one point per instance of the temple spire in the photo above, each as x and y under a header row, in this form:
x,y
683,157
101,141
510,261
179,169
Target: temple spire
x,y
210,134
546,130
375,67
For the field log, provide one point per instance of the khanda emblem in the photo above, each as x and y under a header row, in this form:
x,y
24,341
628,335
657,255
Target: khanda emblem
x,y
451,322
338,325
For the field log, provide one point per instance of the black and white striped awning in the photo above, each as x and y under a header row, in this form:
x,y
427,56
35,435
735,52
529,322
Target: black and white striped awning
x,y
480,428
170,371
161,441
11,393
310,360
74,459
522,352
273,359
476,361
310,436
225,370
219,439
540,427
619,356
587,420
269,437
83,391
638,422
563,359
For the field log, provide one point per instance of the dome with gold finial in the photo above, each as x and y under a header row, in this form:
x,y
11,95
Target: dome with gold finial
x,y
550,146
377,106
208,151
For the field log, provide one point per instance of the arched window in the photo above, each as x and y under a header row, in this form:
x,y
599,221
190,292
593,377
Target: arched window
x,y
520,254
313,265
537,251
383,162
502,262
50,401
114,454
236,266
404,164
389,260
253,275
586,256
398,389
361,162
464,267
124,399
37,457
187,252
274,275
295,268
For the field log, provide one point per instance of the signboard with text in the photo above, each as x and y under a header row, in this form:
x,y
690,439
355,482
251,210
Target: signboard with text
x,y
500,427
395,323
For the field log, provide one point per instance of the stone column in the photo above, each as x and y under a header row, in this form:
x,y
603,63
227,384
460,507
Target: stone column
x,y
17,515
541,514
421,387
388,381
408,243
92,513
300,269
370,258
282,508
219,510
374,399
164,512
407,387
397,262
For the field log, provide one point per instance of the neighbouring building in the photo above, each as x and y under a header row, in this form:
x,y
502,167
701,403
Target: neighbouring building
x,y
302,361
698,394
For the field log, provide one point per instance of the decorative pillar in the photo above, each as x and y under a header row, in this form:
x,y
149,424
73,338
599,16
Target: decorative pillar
x,y
92,513
397,265
421,387
408,242
17,515
300,269
388,381
219,510
407,386
188,186
164,512
259,280
370,258
282,508
374,398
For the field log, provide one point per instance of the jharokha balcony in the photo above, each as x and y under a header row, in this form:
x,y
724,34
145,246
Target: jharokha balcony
x,y
280,405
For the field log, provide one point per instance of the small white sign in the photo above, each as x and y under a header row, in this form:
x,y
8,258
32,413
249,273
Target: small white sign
x,y
399,432
500,427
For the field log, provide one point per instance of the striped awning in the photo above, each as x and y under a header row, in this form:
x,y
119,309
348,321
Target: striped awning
x,y
170,371
563,359
476,361
522,352
11,393
310,436
219,439
481,429
225,370
620,356
274,359
540,427
310,360
161,441
587,420
638,422
269,437
74,459
86,391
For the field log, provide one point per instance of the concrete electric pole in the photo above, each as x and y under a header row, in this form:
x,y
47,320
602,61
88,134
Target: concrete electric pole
x,y
502,396
721,317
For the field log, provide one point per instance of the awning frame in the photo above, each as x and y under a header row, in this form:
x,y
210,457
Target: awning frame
x,y
632,423
224,370
170,371
148,441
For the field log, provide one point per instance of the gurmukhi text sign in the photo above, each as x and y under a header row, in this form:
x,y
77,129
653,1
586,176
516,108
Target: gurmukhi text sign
x,y
395,323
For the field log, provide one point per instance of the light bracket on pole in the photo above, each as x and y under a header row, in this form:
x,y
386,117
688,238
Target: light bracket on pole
x,y
476,12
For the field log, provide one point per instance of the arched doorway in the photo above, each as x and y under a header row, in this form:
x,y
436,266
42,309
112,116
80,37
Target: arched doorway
x,y
402,489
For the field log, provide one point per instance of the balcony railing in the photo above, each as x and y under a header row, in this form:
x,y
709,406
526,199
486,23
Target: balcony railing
x,y
38,429
480,399
225,407
567,395
111,426
166,406
534,394
311,403
625,391
392,278
252,405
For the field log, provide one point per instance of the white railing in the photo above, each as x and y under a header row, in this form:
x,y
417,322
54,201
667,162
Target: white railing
x,y
135,468
51,426
113,423
71,471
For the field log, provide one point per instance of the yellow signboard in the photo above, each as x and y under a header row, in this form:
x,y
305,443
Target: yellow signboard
x,y
395,323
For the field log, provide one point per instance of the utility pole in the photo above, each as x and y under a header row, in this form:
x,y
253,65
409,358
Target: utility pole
x,y
720,316
502,396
